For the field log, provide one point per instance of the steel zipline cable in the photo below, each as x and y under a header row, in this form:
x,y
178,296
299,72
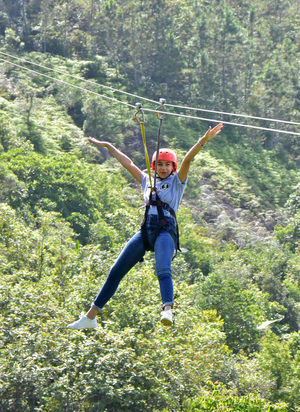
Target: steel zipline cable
x,y
147,99
68,83
224,122
152,101
246,116
78,78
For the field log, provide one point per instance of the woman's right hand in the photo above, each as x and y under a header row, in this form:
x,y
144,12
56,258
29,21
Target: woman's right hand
x,y
98,142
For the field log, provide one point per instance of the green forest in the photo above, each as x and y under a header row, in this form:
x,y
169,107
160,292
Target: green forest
x,y
67,208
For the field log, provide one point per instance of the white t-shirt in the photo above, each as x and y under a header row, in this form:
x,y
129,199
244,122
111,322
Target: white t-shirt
x,y
169,190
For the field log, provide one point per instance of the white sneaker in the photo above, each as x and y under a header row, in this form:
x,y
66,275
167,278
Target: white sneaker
x,y
83,323
166,317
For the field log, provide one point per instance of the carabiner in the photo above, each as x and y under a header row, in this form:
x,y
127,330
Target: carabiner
x,y
162,102
140,112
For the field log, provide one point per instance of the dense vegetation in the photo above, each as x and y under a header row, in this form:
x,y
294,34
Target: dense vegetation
x,y
66,208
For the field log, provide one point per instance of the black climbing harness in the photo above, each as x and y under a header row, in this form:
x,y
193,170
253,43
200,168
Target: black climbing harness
x,y
153,224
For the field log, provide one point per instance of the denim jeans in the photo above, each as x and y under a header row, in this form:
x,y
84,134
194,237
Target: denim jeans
x,y
131,254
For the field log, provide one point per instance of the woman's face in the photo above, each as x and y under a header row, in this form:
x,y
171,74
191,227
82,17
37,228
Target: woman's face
x,y
164,168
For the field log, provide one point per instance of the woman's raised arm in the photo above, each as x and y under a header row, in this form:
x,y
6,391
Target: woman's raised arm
x,y
185,165
121,157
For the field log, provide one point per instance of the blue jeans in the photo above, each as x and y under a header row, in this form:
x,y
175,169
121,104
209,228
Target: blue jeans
x,y
131,254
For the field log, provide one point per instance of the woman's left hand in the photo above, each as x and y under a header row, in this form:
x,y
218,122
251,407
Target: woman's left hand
x,y
211,133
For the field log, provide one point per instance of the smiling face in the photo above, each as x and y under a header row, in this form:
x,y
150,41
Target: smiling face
x,y
164,168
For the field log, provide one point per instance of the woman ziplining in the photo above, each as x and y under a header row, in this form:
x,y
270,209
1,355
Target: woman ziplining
x,y
159,232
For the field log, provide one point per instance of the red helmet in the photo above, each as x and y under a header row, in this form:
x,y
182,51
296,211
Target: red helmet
x,y
165,154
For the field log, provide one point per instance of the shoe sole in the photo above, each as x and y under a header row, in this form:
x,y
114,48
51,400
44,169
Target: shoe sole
x,y
93,327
